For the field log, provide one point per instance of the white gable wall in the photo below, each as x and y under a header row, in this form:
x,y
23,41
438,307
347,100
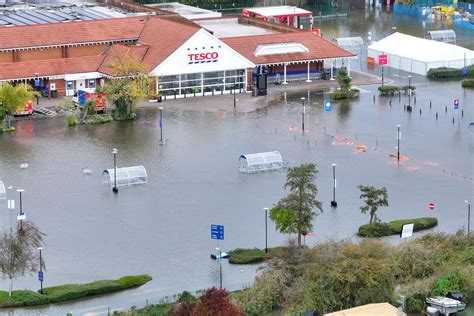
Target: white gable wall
x,y
201,53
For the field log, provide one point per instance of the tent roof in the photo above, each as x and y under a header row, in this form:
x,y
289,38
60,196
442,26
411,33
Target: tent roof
x,y
416,48
369,310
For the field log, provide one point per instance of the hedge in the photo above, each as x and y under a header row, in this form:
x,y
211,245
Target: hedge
x,y
97,119
255,255
69,292
445,72
468,83
394,227
340,95
388,91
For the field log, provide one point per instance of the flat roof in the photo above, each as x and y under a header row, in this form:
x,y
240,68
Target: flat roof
x,y
278,10
232,28
187,11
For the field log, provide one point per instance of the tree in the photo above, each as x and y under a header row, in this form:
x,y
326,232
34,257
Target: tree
x,y
19,252
215,302
294,213
130,84
13,98
344,80
373,199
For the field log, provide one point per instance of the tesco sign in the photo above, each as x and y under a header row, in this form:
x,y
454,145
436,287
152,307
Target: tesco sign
x,y
201,58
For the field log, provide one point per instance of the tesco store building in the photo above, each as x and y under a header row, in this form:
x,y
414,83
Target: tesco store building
x,y
203,65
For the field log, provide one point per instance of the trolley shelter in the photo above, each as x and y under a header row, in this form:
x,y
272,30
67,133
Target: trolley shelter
x,y
3,195
272,160
125,176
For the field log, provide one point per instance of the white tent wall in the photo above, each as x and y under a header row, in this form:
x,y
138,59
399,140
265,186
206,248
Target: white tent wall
x,y
412,60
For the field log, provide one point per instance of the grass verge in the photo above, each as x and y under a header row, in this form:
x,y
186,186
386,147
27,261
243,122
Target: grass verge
x,y
69,292
394,227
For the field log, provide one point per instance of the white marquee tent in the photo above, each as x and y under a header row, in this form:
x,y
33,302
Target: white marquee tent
x,y
418,55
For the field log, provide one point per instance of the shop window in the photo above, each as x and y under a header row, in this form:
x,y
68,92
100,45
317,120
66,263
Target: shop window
x,y
69,85
92,83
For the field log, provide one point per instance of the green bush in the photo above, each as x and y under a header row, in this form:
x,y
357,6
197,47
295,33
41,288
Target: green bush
x,y
68,292
395,227
375,230
245,256
388,91
98,119
451,282
446,73
415,303
72,120
341,95
468,83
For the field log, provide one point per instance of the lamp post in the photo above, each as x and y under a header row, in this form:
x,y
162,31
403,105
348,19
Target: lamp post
x,y
468,216
409,91
161,124
115,152
333,202
220,267
40,274
399,135
266,236
304,110
21,208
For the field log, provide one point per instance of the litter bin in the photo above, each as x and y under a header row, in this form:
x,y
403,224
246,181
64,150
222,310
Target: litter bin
x,y
54,93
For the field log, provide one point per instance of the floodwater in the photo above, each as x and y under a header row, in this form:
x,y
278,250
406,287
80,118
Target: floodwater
x,y
163,228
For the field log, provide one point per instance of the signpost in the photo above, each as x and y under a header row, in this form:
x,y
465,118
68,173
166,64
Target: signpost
x,y
217,232
431,206
327,105
21,216
407,230
464,71
456,104
383,60
40,276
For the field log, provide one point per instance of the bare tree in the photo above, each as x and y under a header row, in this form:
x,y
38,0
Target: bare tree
x,y
18,252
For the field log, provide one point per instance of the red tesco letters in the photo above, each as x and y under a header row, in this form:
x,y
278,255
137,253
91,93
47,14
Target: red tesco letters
x,y
203,56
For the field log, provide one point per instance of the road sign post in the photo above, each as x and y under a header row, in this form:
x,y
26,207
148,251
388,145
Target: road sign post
x,y
217,232
456,104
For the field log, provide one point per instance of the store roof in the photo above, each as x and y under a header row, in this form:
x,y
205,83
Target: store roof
x,y
283,10
118,52
50,67
187,11
318,47
229,27
421,49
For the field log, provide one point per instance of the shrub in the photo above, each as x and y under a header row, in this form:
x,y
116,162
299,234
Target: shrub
x,y
415,303
446,73
245,256
98,119
72,120
406,88
375,230
341,95
454,281
388,91
125,117
468,83
395,227
133,280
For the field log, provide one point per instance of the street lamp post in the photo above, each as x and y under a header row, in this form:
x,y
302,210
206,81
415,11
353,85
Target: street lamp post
x,y
220,267
409,92
333,202
21,208
399,135
468,216
41,270
266,236
115,152
304,110
161,124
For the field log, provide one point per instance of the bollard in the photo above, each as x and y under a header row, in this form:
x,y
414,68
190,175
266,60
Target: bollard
x,y
374,98
446,109
436,115
430,104
462,113
453,120
420,111
404,107
415,100
390,102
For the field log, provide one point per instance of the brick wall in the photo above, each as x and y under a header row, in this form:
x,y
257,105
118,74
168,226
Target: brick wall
x,y
39,54
80,51
60,86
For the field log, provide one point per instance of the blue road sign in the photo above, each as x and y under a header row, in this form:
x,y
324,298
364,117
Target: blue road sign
x,y
40,276
161,124
327,105
217,232
456,104
464,71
